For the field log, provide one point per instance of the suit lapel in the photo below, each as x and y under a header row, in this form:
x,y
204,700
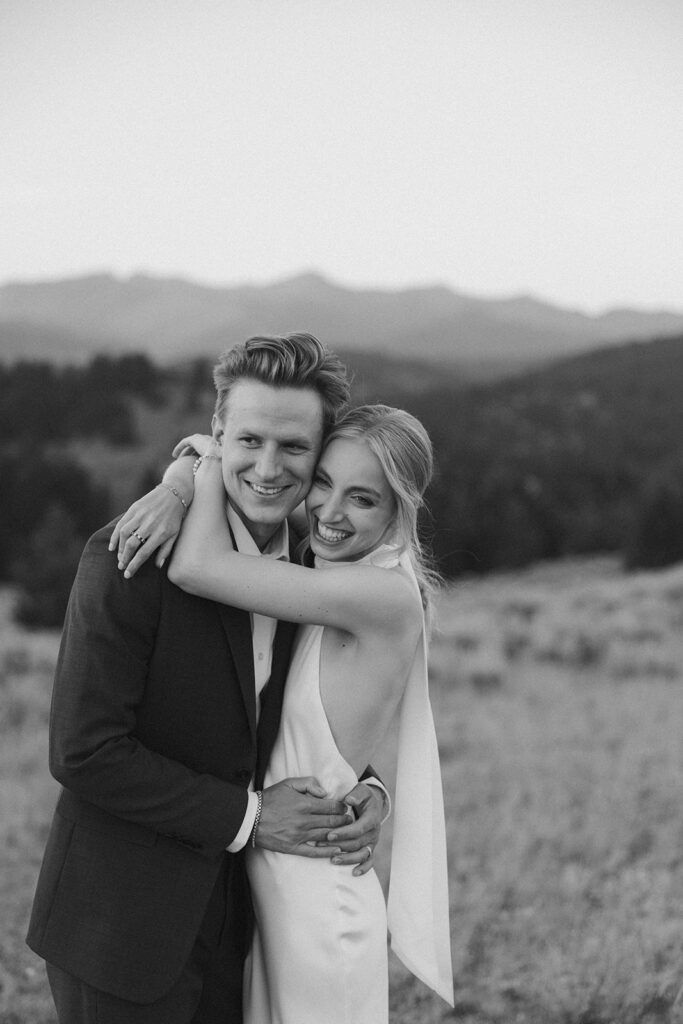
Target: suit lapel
x,y
237,626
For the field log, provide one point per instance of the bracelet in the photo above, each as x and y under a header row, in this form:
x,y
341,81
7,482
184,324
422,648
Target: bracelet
x,y
198,461
174,490
259,808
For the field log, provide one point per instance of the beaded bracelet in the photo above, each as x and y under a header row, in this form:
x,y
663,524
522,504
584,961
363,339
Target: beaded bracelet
x,y
259,808
177,493
198,461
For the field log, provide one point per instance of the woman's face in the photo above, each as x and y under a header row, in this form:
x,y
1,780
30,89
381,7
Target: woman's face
x,y
351,509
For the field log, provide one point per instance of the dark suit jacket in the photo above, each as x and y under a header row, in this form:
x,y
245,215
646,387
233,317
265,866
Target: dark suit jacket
x,y
153,737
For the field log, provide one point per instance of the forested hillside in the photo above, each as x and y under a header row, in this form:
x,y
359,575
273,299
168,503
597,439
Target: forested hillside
x,y
575,458
582,456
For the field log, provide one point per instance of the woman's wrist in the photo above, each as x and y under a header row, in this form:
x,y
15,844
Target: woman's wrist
x,y
178,477
178,495
203,458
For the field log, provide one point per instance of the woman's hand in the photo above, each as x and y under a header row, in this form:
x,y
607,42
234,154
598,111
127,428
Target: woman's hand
x,y
202,444
357,841
151,524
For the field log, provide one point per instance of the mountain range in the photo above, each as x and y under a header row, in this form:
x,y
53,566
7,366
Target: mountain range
x,y
71,320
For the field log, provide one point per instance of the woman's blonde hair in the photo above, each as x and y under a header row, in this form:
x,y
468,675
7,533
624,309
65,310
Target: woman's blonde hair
x,y
404,451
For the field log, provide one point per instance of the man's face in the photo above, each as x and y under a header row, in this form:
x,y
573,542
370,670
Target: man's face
x,y
271,440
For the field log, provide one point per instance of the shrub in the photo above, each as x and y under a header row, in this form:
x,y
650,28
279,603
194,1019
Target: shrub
x,y
46,570
657,536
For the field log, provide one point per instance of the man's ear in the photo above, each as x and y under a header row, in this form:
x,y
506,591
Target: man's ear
x,y
216,428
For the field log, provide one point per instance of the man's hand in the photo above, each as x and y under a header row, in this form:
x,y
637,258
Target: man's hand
x,y
296,814
358,840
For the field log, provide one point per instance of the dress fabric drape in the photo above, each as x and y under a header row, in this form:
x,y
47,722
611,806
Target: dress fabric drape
x,y
320,950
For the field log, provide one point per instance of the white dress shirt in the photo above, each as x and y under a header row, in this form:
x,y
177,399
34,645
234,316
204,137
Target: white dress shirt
x,y
263,629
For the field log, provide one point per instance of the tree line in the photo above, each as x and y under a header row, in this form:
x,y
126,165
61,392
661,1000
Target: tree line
x,y
577,457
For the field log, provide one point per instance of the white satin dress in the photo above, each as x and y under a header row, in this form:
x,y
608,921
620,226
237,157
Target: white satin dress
x,y
319,954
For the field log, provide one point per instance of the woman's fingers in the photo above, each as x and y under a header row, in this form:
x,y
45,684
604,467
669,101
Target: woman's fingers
x,y
114,539
363,859
131,537
138,547
123,524
164,551
200,443
309,785
134,558
184,447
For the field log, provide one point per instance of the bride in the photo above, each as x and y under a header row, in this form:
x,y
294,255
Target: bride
x,y
319,950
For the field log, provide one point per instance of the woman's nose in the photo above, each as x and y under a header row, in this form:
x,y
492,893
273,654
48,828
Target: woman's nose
x,y
331,509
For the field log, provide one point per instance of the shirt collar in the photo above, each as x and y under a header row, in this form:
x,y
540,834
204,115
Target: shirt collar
x,y
277,547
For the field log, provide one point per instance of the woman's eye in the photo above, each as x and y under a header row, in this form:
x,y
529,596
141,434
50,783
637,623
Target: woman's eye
x,y
364,502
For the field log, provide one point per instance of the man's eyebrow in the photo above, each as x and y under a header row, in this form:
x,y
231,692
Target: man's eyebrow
x,y
301,441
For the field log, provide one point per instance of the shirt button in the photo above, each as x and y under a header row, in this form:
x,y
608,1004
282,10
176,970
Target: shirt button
x,y
260,657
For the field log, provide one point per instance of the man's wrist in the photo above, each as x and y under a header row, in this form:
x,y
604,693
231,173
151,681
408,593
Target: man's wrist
x,y
243,836
257,816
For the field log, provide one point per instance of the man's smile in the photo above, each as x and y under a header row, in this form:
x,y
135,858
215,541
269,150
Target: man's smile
x,y
266,492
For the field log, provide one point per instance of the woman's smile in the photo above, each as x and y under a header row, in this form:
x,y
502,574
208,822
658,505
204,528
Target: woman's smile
x,y
331,535
350,506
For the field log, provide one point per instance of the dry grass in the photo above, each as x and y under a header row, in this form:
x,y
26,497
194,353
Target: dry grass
x,y
26,799
559,708
559,704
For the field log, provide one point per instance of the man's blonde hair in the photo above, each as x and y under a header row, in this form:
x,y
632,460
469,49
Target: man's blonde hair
x,y
296,360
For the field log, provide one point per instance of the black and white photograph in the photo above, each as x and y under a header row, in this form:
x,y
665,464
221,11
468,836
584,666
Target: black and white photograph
x,y
341,530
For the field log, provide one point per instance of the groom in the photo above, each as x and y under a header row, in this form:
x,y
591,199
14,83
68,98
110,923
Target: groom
x,y
164,712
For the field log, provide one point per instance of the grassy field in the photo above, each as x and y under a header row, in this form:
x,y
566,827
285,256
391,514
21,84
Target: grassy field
x,y
559,703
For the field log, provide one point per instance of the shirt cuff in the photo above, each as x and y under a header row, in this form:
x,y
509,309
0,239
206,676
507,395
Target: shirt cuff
x,y
372,781
242,837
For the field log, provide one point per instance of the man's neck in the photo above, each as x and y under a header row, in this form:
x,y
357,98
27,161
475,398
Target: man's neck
x,y
261,533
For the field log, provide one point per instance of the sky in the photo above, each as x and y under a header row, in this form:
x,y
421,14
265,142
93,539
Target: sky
x,y
498,147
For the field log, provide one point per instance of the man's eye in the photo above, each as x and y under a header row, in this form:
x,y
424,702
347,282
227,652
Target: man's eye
x,y
296,449
319,481
250,442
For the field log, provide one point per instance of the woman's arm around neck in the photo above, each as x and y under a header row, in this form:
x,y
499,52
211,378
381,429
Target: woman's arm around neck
x,y
355,598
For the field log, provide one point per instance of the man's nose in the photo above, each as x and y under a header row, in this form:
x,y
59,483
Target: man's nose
x,y
268,464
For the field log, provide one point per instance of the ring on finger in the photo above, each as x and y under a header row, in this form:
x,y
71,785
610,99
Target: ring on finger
x,y
137,535
369,849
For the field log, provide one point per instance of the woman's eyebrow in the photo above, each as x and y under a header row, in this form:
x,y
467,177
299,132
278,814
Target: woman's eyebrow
x,y
365,490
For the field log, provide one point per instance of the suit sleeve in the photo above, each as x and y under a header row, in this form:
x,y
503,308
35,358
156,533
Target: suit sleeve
x,y
100,680
371,778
